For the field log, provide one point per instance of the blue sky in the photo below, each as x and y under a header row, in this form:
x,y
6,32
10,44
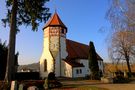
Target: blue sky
x,y
83,18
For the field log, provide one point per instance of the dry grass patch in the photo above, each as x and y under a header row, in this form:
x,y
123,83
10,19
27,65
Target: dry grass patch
x,y
75,87
91,88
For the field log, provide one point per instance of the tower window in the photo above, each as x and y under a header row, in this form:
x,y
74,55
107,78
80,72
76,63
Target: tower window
x,y
62,31
45,65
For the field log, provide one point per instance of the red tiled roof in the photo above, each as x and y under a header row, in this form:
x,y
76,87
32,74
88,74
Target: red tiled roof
x,y
73,63
55,21
78,50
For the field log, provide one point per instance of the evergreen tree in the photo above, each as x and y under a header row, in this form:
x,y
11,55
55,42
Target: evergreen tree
x,y
27,12
3,59
93,63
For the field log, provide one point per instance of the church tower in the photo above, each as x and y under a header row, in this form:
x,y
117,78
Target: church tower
x,y
54,47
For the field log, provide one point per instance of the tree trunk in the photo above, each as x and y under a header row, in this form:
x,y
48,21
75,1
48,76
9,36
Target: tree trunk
x,y
11,48
128,65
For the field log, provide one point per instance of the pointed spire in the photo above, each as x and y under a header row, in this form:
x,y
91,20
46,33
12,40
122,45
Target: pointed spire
x,y
55,21
55,9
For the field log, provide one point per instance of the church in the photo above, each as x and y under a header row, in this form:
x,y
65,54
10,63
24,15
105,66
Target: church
x,y
64,57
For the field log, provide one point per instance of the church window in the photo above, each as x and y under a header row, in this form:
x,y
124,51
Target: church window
x,y
80,71
45,65
77,71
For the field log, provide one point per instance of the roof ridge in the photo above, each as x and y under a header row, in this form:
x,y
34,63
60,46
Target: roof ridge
x,y
78,42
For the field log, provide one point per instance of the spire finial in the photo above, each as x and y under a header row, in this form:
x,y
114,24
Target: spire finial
x,y
55,9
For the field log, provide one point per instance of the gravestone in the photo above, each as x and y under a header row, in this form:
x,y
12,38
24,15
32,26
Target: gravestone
x,y
32,88
125,74
21,87
13,85
106,79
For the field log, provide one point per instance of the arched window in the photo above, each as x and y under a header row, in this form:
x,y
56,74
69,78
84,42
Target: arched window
x,y
45,65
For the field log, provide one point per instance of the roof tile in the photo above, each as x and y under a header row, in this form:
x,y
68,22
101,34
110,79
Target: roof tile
x,y
78,50
55,21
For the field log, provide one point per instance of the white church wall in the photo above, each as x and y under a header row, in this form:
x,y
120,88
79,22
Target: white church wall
x,y
66,69
100,64
86,70
86,66
57,65
64,53
78,72
46,55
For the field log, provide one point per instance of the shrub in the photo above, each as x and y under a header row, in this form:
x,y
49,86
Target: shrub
x,y
51,81
120,78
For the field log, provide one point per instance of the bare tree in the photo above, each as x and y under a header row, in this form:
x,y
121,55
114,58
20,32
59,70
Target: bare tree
x,y
122,47
121,14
